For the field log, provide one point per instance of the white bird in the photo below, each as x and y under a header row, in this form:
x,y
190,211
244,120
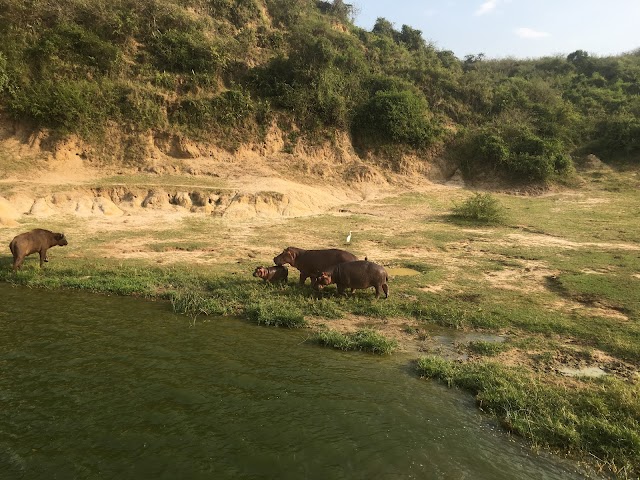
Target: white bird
x,y
349,237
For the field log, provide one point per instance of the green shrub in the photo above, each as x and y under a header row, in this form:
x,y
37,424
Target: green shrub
x,y
67,46
399,117
185,52
480,208
617,134
69,106
517,153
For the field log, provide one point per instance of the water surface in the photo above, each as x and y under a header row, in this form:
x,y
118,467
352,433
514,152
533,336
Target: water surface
x,y
110,387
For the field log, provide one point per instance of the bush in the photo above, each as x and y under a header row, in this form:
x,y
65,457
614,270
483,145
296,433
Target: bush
x,y
69,106
481,208
185,52
399,117
617,134
517,153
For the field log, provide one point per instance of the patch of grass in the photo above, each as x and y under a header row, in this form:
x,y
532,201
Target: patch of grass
x,y
366,340
488,349
481,208
455,316
275,313
599,418
191,246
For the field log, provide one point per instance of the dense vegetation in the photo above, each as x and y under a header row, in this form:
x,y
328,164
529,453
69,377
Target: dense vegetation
x,y
226,69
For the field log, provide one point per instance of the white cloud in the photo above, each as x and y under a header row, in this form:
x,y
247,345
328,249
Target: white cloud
x,y
525,32
487,7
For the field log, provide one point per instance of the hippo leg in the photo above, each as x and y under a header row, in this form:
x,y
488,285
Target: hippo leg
x,y
43,257
341,290
385,287
303,277
17,262
377,287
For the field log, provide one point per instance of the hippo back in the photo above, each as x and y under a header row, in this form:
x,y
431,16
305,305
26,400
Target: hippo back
x,y
319,260
359,274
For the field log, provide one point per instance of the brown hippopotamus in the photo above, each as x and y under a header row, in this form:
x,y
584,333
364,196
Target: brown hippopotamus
x,y
351,275
38,240
311,261
274,274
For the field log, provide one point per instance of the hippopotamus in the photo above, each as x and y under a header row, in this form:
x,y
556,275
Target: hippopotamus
x,y
274,274
37,240
311,261
358,274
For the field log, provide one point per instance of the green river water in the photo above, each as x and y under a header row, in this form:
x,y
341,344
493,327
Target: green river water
x,y
117,388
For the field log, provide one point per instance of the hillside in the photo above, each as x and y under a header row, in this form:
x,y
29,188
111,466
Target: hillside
x,y
151,84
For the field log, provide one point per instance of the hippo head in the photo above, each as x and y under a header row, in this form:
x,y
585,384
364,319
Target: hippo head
x,y
287,256
260,272
61,239
322,279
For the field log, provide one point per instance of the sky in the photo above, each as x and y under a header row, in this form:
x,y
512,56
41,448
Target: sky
x,y
513,28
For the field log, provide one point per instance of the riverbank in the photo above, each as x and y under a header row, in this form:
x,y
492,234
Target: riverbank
x,y
551,295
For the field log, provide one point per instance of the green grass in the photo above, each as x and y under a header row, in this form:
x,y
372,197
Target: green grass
x,y
366,340
488,349
600,417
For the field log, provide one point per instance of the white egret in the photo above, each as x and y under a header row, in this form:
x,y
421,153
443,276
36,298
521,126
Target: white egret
x,y
349,237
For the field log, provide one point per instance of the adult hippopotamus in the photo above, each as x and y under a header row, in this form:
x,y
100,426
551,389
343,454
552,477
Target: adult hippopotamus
x,y
272,274
37,240
311,261
351,275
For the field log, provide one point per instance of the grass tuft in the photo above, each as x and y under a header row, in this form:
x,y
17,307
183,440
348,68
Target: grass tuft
x,y
366,340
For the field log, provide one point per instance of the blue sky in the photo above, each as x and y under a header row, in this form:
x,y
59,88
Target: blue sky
x,y
513,28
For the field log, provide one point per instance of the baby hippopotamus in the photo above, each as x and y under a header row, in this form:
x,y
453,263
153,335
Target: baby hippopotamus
x,y
351,275
273,274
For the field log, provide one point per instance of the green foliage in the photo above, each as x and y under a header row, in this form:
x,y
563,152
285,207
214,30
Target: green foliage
x,y
222,69
66,105
518,154
4,78
398,117
617,134
71,47
184,52
480,208
366,340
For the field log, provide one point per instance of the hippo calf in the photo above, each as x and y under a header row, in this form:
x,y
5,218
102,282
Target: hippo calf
x,y
38,240
312,261
272,274
354,275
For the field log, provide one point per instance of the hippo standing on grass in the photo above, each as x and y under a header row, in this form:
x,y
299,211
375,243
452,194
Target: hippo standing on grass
x,y
272,274
37,240
311,261
352,275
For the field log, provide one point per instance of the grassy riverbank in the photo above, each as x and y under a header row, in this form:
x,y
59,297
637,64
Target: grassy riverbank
x,y
552,293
